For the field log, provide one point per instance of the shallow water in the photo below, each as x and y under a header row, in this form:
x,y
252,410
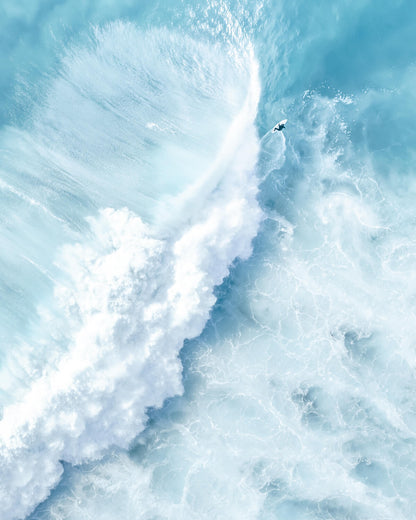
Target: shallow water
x,y
202,319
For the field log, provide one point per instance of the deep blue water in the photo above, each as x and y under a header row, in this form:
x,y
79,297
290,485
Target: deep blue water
x,y
202,319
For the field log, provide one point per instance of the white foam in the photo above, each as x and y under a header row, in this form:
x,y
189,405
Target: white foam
x,y
128,297
294,406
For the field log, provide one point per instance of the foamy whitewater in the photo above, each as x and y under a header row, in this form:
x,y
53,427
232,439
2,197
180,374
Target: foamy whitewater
x,y
201,319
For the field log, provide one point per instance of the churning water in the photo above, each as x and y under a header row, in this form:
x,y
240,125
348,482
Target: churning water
x,y
202,319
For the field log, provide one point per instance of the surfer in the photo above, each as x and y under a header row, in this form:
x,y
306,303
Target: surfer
x,y
279,127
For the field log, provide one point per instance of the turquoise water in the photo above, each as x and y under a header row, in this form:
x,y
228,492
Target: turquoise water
x,y
201,319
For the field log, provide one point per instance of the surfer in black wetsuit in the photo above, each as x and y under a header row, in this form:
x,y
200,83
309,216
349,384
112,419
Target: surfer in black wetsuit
x,y
279,127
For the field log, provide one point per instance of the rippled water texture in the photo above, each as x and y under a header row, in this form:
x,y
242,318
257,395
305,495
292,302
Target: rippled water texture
x,y
202,319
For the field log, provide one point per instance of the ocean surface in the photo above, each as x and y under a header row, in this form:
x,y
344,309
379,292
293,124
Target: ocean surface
x,y
201,319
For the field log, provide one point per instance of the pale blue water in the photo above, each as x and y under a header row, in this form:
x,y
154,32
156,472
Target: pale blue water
x,y
201,319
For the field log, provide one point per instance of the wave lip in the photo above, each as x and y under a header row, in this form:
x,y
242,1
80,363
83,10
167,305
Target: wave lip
x,y
127,297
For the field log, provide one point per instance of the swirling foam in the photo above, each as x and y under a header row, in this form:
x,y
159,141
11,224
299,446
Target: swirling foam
x,y
139,283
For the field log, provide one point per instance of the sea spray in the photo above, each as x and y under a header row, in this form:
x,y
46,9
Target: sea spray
x,y
140,281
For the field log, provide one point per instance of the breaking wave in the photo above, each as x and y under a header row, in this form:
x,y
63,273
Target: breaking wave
x,y
124,211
